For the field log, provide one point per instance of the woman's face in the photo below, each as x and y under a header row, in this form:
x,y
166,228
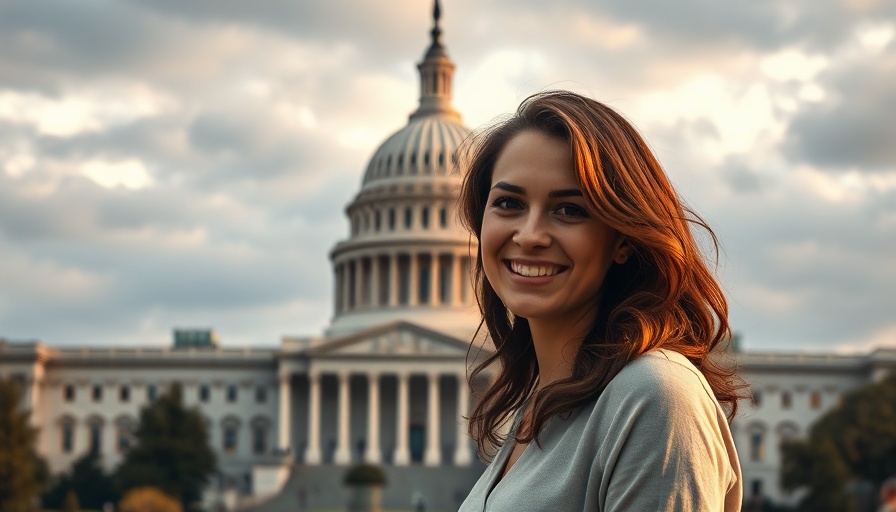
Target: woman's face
x,y
543,250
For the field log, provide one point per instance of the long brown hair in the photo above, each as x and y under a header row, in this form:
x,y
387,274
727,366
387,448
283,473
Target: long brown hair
x,y
664,295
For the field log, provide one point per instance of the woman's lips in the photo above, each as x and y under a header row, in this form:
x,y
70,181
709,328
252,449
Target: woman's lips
x,y
534,269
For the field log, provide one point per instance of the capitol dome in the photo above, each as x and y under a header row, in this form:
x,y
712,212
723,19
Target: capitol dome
x,y
407,258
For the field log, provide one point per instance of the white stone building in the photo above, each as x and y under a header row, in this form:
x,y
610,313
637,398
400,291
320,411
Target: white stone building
x,y
792,391
386,382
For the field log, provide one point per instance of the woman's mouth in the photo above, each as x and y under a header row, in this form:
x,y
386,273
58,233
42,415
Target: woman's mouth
x,y
527,270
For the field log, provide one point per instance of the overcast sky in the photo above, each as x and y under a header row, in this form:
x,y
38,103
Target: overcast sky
x,y
186,164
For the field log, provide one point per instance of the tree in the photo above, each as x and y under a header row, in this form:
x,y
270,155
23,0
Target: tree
x,y
856,441
87,480
20,465
172,452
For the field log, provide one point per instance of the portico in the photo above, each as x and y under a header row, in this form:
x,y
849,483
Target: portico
x,y
394,395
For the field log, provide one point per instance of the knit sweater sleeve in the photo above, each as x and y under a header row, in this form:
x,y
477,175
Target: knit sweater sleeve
x,y
661,447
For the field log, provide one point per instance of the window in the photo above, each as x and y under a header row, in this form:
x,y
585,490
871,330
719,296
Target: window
x,y
231,393
259,438
204,393
69,393
124,394
786,401
756,487
124,434
757,446
391,219
229,437
757,397
377,218
443,217
261,394
408,217
815,400
96,435
424,218
97,393
67,436
152,392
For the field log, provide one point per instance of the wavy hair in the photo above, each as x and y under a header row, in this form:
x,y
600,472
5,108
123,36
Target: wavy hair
x,y
664,295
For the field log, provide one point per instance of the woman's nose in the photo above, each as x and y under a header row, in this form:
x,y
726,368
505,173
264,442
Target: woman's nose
x,y
532,233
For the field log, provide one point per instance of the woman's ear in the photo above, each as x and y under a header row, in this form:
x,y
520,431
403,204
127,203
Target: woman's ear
x,y
623,251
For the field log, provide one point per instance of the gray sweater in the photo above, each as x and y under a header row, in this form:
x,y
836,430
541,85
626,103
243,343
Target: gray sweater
x,y
655,440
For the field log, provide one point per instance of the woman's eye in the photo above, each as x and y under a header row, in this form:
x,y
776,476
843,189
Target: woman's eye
x,y
571,210
506,203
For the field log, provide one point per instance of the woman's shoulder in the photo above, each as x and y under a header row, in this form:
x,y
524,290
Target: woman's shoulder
x,y
661,374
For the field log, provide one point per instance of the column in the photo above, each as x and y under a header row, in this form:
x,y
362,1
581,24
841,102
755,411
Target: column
x,y
435,287
285,414
402,454
413,278
457,279
462,455
433,455
373,454
359,282
312,453
343,455
337,287
375,279
34,401
346,286
393,280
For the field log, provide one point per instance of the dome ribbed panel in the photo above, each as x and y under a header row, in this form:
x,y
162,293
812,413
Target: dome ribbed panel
x,y
404,152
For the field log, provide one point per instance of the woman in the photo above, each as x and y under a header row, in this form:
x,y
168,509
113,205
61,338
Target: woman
x,y
603,315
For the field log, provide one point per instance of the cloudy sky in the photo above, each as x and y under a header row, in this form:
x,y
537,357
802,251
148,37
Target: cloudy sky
x,y
186,164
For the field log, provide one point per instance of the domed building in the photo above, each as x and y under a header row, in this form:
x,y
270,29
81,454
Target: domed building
x,y
407,257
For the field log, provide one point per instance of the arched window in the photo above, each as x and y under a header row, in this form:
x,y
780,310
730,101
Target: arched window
x,y
391,219
408,217
95,429
230,430
124,433
424,217
757,442
67,434
377,221
260,428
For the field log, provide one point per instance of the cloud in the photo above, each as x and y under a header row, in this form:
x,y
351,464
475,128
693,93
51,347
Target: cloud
x,y
852,128
169,164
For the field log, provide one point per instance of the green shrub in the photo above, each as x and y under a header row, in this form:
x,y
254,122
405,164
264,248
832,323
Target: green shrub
x,y
365,474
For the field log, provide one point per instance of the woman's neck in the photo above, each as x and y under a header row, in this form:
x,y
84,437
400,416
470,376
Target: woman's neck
x,y
556,345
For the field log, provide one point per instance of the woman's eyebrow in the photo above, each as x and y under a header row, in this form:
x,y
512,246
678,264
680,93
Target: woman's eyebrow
x,y
503,185
516,189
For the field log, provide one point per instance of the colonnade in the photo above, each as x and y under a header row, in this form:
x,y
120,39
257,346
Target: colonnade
x,y
402,278
373,452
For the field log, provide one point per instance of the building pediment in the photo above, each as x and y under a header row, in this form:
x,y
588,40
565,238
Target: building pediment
x,y
398,339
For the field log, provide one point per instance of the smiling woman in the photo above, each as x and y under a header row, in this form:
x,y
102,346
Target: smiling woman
x,y
603,315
